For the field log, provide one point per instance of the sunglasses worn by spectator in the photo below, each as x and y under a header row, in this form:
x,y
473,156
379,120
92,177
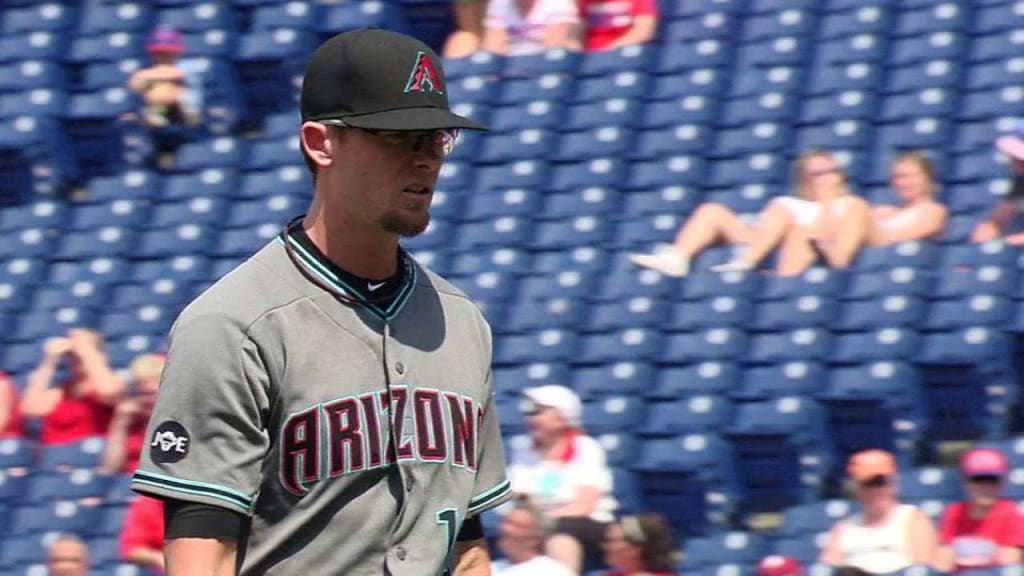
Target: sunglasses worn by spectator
x,y
414,140
876,482
984,479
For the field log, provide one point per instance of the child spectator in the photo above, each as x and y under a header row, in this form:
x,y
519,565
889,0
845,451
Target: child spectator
x,y
142,536
68,556
564,472
10,416
884,535
612,24
519,27
521,541
82,405
641,546
164,85
986,530
1004,217
127,435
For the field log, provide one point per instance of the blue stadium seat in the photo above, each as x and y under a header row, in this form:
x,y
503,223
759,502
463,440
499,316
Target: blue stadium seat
x,y
549,345
125,213
800,344
716,311
821,282
35,102
511,259
996,17
900,280
131,184
703,413
601,140
54,516
632,312
969,345
609,172
219,152
880,344
13,487
84,453
709,25
805,521
16,452
930,483
187,238
584,258
946,16
620,450
626,345
146,319
533,114
74,484
591,201
105,47
210,181
977,310
790,378
614,413
180,268
547,62
83,294
990,103
786,19
970,256
888,311
39,45
41,323
845,105
198,16
548,88
932,74
864,47
708,377
613,378
993,279
707,53
774,51
718,343
50,16
913,254
799,312
864,19
198,210
512,380
940,44
526,176
297,15
494,285
165,293
736,548
706,284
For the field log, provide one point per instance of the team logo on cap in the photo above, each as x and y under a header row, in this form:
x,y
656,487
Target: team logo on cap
x,y
424,76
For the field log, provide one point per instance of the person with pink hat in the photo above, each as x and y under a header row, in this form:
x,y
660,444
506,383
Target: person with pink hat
x,y
776,565
1006,213
985,530
884,535
164,85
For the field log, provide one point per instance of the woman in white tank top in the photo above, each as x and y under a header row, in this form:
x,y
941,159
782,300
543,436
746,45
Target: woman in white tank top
x,y
919,216
885,536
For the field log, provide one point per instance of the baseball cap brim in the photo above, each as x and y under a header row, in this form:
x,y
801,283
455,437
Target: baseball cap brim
x,y
1012,146
411,119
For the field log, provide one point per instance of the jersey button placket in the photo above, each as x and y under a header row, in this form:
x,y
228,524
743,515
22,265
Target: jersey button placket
x,y
399,367
409,481
400,553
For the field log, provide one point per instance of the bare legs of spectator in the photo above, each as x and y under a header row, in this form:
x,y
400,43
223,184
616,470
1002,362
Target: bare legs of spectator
x,y
566,550
709,224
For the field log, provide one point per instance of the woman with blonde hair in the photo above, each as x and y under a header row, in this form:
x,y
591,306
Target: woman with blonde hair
x,y
641,546
822,201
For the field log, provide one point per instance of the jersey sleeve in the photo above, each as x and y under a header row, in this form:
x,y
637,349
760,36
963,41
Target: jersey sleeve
x,y
206,439
492,485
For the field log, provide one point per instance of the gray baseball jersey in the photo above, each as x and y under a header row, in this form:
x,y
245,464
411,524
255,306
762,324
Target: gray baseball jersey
x,y
357,438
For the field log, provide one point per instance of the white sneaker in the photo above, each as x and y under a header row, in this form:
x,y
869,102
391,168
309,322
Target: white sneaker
x,y
733,266
668,263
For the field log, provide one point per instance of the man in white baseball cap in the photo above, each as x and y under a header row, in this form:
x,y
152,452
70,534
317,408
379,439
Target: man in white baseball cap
x,y
1003,218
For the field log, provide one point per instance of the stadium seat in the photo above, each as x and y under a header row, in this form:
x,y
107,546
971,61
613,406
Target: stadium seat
x,y
880,344
614,413
882,312
799,344
628,312
613,378
713,312
791,378
698,413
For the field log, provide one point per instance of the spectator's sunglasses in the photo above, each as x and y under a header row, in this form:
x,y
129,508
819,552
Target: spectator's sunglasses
x,y
414,140
984,479
876,482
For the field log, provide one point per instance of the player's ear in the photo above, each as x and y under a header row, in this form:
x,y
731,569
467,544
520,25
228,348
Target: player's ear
x,y
317,143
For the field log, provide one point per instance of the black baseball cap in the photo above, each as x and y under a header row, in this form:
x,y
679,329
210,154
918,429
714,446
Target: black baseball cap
x,y
379,80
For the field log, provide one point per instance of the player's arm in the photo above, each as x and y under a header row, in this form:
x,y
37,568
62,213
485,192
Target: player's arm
x,y
201,540
472,558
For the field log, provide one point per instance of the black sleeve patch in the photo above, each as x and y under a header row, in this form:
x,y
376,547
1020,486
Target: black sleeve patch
x,y
170,442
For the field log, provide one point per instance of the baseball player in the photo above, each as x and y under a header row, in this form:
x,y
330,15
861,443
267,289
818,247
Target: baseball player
x,y
326,408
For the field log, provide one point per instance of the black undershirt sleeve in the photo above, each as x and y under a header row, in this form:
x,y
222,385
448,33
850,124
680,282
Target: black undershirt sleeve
x,y
192,520
472,529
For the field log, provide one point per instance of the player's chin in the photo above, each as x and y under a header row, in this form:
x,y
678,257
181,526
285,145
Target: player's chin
x,y
406,223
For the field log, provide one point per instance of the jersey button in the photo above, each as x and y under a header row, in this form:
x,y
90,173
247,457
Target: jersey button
x,y
399,367
408,483
400,553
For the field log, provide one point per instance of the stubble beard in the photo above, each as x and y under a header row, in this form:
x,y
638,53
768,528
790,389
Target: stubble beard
x,y
405,225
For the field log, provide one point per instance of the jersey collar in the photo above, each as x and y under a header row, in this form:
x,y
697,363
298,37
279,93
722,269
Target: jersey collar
x,y
384,301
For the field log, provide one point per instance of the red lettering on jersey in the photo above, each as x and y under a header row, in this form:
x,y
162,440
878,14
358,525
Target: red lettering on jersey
x,y
345,436
431,436
300,450
399,404
371,416
464,430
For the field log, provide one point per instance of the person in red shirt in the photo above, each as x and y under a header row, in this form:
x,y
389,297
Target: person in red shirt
x,y
127,434
776,565
10,418
985,530
82,405
641,546
613,24
142,536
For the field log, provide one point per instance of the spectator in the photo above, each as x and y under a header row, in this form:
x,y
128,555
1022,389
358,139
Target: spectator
x,y
127,434
563,471
918,217
520,27
164,85
986,530
779,566
142,536
613,24
68,556
823,207
641,546
82,405
522,541
1004,216
10,416
469,28
884,536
